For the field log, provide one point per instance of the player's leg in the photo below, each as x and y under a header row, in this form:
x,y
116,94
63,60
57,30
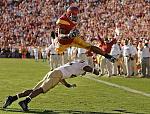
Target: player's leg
x,y
27,92
61,48
10,99
24,103
79,42
53,79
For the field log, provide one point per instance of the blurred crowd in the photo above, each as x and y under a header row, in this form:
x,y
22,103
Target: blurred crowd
x,y
27,25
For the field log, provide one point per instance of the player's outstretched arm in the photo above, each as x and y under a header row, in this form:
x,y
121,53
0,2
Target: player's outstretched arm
x,y
90,69
63,81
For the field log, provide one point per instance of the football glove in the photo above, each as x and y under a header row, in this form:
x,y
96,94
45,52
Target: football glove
x,y
71,85
74,33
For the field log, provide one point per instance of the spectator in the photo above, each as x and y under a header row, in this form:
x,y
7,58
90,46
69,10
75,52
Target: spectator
x,y
145,60
127,54
115,52
36,50
44,55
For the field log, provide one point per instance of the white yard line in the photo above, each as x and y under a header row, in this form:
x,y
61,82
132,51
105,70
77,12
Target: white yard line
x,y
120,87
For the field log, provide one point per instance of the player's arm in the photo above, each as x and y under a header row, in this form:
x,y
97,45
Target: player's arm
x,y
63,81
62,33
71,34
90,69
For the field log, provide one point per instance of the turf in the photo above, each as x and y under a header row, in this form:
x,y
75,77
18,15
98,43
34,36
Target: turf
x,y
88,97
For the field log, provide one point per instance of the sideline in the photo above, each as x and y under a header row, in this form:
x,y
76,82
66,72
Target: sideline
x,y
120,87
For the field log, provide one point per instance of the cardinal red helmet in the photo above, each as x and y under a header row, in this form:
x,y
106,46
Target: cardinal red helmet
x,y
72,10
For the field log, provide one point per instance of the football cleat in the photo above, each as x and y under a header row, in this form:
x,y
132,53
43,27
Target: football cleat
x,y
24,105
112,59
8,101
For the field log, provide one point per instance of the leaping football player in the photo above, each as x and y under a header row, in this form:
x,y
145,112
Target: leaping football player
x,y
69,35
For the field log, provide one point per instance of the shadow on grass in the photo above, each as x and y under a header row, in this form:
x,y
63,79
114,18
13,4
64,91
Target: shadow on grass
x,y
125,111
38,111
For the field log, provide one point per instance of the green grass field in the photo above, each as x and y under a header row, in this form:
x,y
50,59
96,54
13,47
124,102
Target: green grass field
x,y
89,97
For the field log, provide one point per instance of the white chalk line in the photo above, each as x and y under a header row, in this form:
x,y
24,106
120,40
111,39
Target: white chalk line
x,y
119,86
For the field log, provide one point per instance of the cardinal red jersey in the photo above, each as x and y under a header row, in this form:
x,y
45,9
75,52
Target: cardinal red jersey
x,y
67,25
106,47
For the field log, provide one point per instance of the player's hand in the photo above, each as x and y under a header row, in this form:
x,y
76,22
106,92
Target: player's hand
x,y
74,33
73,85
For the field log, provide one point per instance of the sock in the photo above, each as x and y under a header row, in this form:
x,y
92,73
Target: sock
x,y
14,97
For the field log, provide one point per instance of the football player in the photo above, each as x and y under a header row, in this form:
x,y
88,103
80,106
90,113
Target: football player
x,y
69,35
51,79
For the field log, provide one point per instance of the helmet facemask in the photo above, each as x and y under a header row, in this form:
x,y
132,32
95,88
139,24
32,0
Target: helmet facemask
x,y
73,18
72,13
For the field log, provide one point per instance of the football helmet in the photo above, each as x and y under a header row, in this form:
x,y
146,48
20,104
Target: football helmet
x,y
72,13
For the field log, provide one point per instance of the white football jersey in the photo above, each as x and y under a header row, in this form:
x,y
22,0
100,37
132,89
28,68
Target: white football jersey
x,y
73,68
